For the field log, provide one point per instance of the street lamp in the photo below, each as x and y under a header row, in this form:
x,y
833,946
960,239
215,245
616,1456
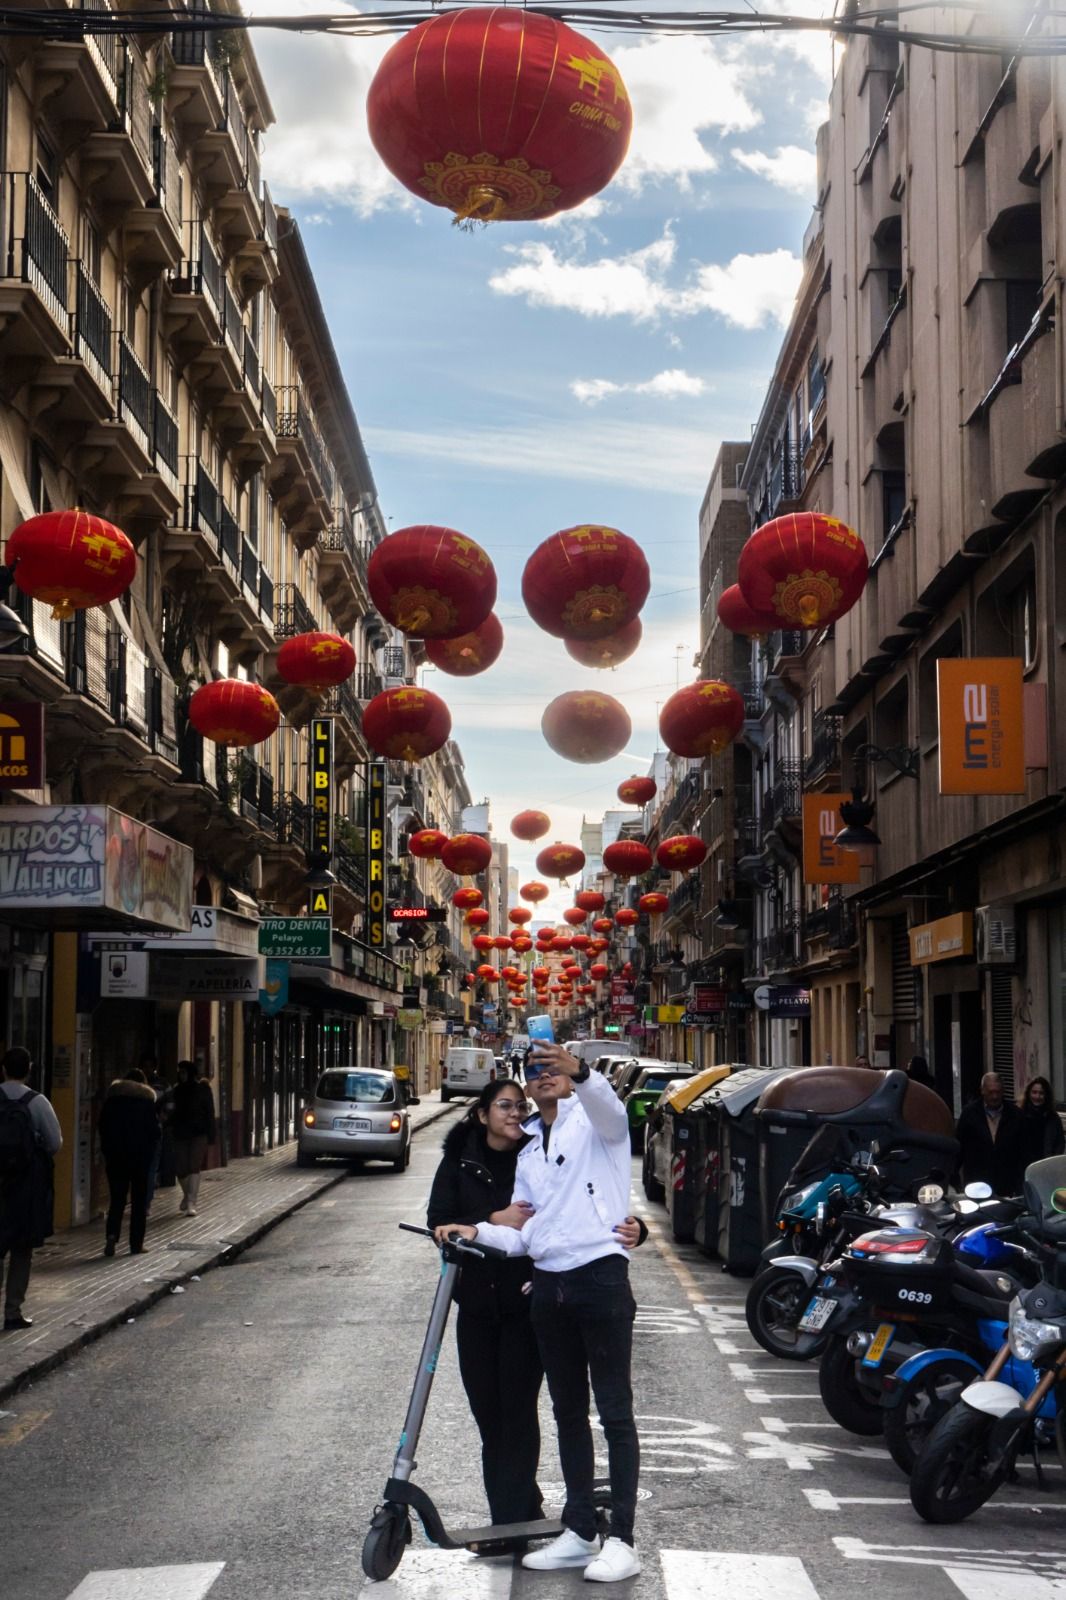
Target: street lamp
x,y
12,627
726,916
902,758
857,814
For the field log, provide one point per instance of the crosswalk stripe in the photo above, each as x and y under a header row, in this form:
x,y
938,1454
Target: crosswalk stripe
x,y
429,1574
188,1582
992,1585
707,1575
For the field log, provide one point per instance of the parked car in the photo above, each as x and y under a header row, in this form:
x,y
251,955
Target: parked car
x,y
466,1070
358,1112
627,1076
591,1049
646,1091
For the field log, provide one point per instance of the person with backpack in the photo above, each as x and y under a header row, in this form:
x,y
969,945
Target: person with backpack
x,y
30,1137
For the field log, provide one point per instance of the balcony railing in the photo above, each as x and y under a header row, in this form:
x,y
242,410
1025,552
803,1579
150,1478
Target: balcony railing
x,y
824,757
785,642
367,682
779,948
250,570
266,592
270,406
251,365
293,819
87,657
341,538
350,869
816,924
295,422
257,796
134,391
194,50
843,926
166,171
229,539
232,326
163,715
751,692
92,326
292,614
270,221
786,791
344,702
686,894
37,249
130,685
203,502
786,479
165,434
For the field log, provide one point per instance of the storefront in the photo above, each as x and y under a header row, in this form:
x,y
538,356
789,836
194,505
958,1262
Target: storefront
x,y
943,953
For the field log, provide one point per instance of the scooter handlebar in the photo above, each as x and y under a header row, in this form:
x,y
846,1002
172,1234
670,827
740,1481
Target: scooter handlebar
x,y
464,1247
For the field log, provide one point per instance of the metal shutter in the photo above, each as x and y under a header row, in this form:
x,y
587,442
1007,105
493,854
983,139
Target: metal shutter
x,y
905,978
1002,1008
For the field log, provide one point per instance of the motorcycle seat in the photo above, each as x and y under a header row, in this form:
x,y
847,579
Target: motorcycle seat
x,y
982,1291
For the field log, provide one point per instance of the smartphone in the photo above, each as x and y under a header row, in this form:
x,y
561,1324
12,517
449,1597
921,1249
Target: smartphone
x,y
540,1031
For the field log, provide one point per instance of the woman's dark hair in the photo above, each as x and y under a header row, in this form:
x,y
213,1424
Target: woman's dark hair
x,y
488,1095
188,1068
135,1075
1048,1108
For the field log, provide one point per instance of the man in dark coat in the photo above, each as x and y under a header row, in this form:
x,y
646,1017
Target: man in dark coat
x,y
990,1139
29,1138
129,1139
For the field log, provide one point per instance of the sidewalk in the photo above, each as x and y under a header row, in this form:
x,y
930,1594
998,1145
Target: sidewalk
x,y
76,1294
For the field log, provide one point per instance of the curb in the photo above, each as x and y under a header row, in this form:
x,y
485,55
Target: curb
x,y
42,1365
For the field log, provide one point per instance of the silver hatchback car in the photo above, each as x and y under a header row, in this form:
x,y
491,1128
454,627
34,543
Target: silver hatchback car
x,y
356,1112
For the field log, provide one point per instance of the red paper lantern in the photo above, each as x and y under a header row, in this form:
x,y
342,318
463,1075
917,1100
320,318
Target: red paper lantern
x,y
432,582
586,582
234,712
701,719
654,903
637,791
589,900
586,726
511,973
427,844
603,925
316,661
499,116
467,899
469,653
575,916
560,941
580,941
519,914
522,942
406,723
476,918
681,852
599,970
530,825
558,861
627,917
597,946
609,651
534,892
627,970
586,988
488,974
806,569
466,854
482,942
736,614
502,941
627,858
72,560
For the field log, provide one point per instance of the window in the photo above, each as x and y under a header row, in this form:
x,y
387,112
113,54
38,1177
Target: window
x,y
893,499
91,249
1007,617
892,726
1022,305
368,1088
949,645
47,171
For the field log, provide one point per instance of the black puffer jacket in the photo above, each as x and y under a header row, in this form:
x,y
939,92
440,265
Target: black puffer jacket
x,y
465,1190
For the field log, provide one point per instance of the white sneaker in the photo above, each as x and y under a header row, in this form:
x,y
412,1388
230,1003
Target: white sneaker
x,y
615,1561
568,1550
190,1211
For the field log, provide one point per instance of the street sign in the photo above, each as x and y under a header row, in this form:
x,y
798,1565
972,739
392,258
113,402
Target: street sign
x,y
376,781
296,938
21,744
418,913
981,725
320,904
124,975
783,1000
321,789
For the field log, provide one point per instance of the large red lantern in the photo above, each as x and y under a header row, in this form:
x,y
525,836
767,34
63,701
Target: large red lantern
x,y
610,651
478,918
681,852
627,858
231,711
701,719
627,917
598,946
603,925
586,582
502,941
534,892
432,582
469,653
558,861
589,900
466,854
482,942
599,970
581,941
488,973
316,661
522,942
561,941
806,569
654,903
498,115
586,726
575,916
427,844
467,899
406,723
530,825
637,791
736,614
519,914
72,560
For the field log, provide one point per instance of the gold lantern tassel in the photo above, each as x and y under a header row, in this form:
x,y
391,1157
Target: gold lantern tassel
x,y
483,205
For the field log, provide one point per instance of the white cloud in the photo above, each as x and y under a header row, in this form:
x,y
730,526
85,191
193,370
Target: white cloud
x,y
748,291
790,167
680,89
665,385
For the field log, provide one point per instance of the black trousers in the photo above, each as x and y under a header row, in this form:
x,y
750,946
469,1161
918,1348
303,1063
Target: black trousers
x,y
501,1372
126,1179
584,1325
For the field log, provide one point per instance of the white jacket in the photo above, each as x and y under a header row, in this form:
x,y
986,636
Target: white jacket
x,y
580,1189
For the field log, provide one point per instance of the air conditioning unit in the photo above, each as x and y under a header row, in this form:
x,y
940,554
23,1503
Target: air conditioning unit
x,y
995,936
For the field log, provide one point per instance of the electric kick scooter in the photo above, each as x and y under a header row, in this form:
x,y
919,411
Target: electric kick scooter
x,y
390,1529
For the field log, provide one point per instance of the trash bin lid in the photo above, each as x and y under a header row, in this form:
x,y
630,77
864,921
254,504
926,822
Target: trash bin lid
x,y
681,1098
742,1089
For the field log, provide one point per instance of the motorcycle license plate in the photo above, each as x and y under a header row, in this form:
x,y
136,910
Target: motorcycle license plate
x,y
817,1314
882,1339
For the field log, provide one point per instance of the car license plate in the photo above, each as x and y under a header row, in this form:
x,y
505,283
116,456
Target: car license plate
x,y
350,1125
817,1314
882,1339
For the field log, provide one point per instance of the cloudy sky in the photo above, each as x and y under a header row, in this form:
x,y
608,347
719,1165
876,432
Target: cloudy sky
x,y
521,379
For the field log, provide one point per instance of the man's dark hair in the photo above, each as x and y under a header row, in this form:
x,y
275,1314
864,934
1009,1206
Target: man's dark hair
x,y
17,1062
135,1075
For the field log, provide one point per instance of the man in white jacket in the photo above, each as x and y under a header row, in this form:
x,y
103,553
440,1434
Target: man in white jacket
x,y
572,1179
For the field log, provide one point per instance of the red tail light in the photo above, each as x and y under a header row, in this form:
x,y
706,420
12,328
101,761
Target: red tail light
x,y
871,1244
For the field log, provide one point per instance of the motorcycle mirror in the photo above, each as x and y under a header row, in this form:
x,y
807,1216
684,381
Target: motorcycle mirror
x,y
978,1191
966,1208
930,1194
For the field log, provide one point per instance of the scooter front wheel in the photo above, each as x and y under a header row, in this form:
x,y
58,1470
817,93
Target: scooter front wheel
x,y
388,1536
774,1305
924,1400
956,1472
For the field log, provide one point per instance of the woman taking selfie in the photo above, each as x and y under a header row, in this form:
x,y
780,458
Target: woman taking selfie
x,y
499,1361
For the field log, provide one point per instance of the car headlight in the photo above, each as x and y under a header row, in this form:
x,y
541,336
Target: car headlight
x,y
1027,1336
791,1201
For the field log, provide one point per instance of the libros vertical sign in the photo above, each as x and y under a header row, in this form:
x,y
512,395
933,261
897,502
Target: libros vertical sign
x,y
375,854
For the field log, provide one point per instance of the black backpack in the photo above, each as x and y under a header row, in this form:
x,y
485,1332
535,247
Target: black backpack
x,y
18,1139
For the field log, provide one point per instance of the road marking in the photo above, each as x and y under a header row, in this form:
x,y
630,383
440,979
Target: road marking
x,y
1026,1566
189,1582
429,1574
777,1425
826,1500
760,1397
1004,1586
25,1424
726,1347
800,1456
708,1574
748,1374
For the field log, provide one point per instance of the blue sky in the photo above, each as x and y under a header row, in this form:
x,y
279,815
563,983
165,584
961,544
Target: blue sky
x,y
523,379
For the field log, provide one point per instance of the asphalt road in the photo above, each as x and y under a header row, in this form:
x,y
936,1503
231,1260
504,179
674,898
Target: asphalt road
x,y
232,1443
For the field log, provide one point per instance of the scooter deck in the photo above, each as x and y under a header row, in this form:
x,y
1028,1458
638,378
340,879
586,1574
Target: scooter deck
x,y
483,1539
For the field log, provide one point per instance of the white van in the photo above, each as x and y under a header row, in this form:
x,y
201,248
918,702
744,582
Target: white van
x,y
466,1070
589,1050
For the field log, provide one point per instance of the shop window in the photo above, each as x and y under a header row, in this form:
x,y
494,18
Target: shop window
x,y
949,645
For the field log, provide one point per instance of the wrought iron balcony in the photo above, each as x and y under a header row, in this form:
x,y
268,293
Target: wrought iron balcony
x,y
37,249
686,895
295,422
270,405
292,614
257,795
368,682
779,948
165,435
824,757
843,924
134,393
816,924
292,817
92,326
786,480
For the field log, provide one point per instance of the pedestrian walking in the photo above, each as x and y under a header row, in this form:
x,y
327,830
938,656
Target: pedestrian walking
x,y
574,1176
129,1140
918,1072
1041,1133
989,1132
192,1123
30,1137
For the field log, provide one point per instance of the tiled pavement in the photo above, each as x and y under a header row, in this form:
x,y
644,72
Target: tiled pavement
x,y
76,1294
